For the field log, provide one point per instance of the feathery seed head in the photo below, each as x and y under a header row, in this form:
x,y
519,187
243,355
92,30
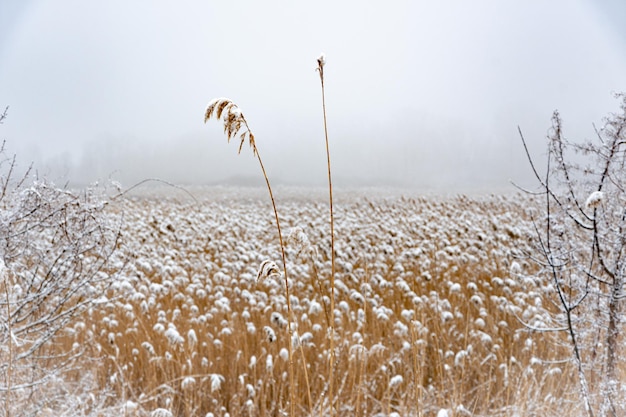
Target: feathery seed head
x,y
147,346
278,319
233,119
266,270
300,240
188,383
269,333
321,61
594,200
396,381
216,382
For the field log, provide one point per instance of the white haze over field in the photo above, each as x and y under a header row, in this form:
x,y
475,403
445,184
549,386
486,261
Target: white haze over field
x,y
419,94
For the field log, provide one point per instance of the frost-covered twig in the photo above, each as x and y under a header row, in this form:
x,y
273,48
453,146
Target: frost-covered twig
x,y
585,200
58,248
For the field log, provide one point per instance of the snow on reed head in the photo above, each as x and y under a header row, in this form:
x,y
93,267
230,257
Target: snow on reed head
x,y
173,337
266,270
269,333
396,381
216,382
299,240
130,408
192,338
188,383
161,412
278,319
233,119
594,200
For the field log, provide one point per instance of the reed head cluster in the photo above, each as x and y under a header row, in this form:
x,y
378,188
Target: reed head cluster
x,y
233,119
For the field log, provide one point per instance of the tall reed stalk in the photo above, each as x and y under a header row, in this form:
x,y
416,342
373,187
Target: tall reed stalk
x,y
321,61
234,121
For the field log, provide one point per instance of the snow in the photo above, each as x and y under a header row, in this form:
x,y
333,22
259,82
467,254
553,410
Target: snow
x,y
594,200
190,294
216,382
396,381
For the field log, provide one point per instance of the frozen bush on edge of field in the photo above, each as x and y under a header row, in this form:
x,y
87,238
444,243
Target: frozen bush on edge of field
x,y
60,251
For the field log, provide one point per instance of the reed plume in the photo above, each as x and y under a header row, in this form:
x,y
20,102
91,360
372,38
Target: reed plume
x,y
234,121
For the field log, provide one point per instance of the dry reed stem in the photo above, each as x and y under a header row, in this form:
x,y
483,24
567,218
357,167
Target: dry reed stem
x,y
234,121
321,61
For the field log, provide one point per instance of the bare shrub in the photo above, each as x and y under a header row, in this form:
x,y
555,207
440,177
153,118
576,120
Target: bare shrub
x,y
581,247
56,253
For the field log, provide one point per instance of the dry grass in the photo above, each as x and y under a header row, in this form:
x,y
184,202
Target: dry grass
x,y
428,291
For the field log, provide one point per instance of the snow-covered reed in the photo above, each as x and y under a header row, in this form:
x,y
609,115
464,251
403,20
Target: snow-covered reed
x,y
431,295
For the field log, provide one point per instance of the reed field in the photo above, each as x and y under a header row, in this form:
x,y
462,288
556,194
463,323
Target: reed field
x,y
214,301
431,293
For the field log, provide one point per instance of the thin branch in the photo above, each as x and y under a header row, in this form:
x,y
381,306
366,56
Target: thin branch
x,y
140,183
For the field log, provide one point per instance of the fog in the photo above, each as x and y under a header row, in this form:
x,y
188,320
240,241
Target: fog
x,y
419,94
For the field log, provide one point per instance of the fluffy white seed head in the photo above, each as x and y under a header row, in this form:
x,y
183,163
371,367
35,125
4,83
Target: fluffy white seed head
x,y
269,363
148,347
594,200
173,337
192,338
396,381
216,382
188,383
299,240
278,320
270,334
266,270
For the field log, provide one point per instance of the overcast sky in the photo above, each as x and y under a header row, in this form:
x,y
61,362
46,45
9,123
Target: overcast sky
x,y
419,93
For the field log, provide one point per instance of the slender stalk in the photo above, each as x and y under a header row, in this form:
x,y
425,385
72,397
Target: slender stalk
x,y
320,68
284,259
234,121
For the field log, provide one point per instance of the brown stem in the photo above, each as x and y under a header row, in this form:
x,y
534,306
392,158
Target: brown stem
x,y
332,248
289,310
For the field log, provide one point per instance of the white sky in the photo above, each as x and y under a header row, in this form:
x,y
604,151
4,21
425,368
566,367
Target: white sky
x,y
419,93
